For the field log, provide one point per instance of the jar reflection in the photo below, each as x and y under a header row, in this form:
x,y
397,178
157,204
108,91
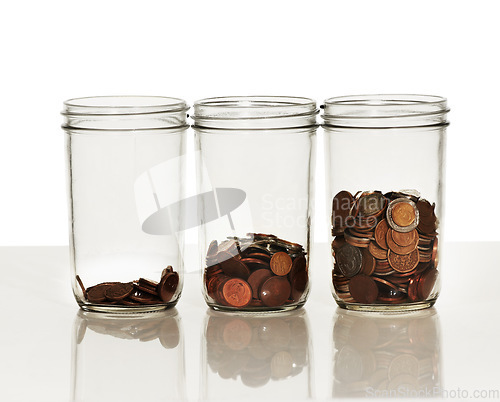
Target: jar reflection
x,y
386,355
128,359
259,354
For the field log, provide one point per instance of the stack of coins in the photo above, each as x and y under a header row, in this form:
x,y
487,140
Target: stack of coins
x,y
165,329
385,247
257,349
386,356
260,270
137,293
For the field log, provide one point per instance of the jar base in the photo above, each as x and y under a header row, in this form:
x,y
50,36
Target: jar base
x,y
118,309
256,310
388,308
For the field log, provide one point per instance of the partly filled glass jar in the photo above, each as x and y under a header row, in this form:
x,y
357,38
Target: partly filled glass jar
x,y
384,159
255,162
125,159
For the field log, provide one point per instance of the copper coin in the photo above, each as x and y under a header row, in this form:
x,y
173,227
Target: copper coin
x,y
256,279
147,289
254,263
413,288
275,291
426,283
167,271
341,207
96,294
405,238
142,297
237,292
434,255
394,247
425,208
213,284
403,263
259,256
381,234
363,289
349,260
299,264
281,263
232,267
119,291
168,286
368,265
378,252
402,215
299,284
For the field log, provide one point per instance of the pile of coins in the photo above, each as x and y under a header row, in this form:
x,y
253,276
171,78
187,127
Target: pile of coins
x,y
386,356
260,270
137,293
385,247
257,349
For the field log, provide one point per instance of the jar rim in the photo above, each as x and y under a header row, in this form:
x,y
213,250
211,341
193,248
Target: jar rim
x,y
120,105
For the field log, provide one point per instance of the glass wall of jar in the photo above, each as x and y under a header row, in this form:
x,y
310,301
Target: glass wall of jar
x,y
255,167
384,159
117,357
125,177
387,355
257,357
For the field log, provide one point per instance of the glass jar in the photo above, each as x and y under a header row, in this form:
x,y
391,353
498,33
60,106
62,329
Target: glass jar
x,y
384,159
255,164
387,355
257,357
128,358
126,174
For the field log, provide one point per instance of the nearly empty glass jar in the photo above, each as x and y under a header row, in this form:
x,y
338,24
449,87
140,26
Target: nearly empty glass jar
x,y
385,174
255,163
125,173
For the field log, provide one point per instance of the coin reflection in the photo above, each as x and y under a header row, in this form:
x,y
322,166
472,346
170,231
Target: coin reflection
x,y
386,355
113,353
257,351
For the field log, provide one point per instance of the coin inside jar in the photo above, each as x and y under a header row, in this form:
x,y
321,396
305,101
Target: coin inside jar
x,y
402,215
281,263
363,289
405,238
403,263
237,292
381,234
349,260
275,291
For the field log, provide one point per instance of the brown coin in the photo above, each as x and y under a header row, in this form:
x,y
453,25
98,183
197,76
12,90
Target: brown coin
x,y
214,283
413,288
368,265
275,291
425,208
363,289
403,263
256,279
254,263
434,255
299,284
259,256
167,271
119,291
299,264
142,297
281,263
378,252
426,283
96,294
404,239
381,234
341,207
403,214
395,248
237,292
168,286
146,286
349,260
232,267
237,334
81,286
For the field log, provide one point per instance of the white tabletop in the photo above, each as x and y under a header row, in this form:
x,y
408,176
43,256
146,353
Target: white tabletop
x,y
50,351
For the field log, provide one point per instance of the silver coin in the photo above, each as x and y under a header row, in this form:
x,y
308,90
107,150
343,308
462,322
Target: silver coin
x,y
349,260
371,203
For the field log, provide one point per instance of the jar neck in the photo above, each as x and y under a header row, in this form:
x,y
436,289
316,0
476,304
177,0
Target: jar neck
x,y
255,113
124,113
385,111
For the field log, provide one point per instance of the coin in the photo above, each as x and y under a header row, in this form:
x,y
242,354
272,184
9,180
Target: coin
x,y
381,234
371,203
426,283
256,279
281,263
413,288
395,248
231,266
142,297
402,215
260,256
403,263
434,255
363,289
368,264
349,260
299,284
377,251
254,263
96,294
275,291
237,292
405,238
341,209
118,291
168,286
81,286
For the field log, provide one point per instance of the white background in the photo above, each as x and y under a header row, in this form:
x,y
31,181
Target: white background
x,y
55,50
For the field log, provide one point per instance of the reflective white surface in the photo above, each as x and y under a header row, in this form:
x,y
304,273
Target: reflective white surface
x,y
51,351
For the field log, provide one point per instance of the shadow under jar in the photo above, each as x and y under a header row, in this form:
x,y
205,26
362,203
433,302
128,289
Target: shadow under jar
x,y
255,157
125,180
384,159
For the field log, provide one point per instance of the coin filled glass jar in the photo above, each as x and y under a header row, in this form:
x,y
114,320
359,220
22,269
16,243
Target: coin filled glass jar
x,y
125,179
385,174
255,161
